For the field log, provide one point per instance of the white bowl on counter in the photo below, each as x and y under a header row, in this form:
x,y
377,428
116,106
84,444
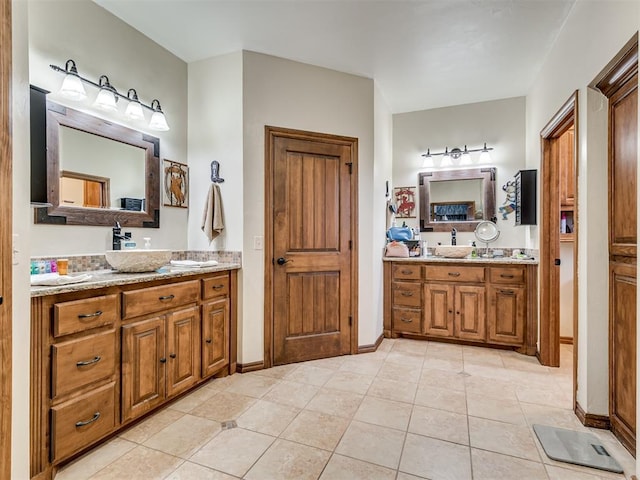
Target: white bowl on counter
x,y
453,251
137,261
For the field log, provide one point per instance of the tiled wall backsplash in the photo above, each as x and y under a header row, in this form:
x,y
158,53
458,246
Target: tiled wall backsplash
x,y
86,263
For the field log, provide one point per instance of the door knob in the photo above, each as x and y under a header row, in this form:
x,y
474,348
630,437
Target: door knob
x,y
282,261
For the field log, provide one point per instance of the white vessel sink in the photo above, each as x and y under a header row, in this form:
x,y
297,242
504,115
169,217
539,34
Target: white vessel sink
x,y
136,261
453,251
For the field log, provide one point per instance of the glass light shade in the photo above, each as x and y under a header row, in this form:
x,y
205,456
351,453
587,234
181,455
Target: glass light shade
x,y
465,159
446,161
134,111
106,100
485,157
428,162
158,122
72,88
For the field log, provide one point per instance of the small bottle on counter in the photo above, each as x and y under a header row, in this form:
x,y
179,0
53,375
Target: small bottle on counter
x,y
63,266
474,250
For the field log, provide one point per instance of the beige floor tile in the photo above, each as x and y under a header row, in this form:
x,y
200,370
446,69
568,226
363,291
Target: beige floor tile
x,y
442,398
345,468
417,347
499,389
350,382
377,355
277,372
360,364
442,379
393,390
289,461
293,394
386,345
224,406
551,398
449,364
386,413
481,356
233,451
151,425
194,399
139,463
372,443
556,417
515,440
444,350
508,411
310,374
334,363
95,460
184,436
267,417
316,429
406,359
440,424
335,402
252,385
406,476
558,473
435,459
192,471
494,466
396,371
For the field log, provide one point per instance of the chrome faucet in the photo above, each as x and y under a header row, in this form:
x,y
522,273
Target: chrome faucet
x,y
117,236
453,236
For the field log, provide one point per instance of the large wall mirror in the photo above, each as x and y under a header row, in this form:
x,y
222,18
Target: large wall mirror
x,y
93,172
456,199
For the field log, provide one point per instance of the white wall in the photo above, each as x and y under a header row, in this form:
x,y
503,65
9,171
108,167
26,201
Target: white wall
x,y
100,44
499,123
593,34
284,93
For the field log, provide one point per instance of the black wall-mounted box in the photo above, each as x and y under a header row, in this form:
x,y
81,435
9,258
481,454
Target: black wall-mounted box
x,y
526,185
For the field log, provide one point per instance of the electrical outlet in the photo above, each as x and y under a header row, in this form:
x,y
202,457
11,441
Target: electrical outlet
x,y
258,242
15,251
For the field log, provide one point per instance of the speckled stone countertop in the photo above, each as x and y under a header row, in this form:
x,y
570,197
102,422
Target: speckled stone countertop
x,y
491,261
109,278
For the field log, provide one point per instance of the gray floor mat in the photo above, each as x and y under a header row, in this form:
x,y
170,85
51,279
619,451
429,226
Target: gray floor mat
x,y
579,448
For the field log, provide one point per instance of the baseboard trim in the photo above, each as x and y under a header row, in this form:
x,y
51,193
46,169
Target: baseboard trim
x,y
590,420
371,348
566,340
250,367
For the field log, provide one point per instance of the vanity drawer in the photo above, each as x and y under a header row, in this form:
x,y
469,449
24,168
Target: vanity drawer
x,y
155,299
80,362
77,423
407,294
454,273
80,315
407,320
406,272
508,275
217,286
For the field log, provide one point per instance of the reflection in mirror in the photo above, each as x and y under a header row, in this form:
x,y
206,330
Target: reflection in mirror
x,y
83,190
456,199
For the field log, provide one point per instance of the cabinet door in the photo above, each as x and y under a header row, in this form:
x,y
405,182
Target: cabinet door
x,y
506,315
567,170
183,350
143,366
470,313
215,336
438,309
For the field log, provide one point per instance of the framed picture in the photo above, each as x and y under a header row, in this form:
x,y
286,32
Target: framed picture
x,y
176,184
405,199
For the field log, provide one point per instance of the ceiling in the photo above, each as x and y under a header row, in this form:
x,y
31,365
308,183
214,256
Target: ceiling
x,y
422,54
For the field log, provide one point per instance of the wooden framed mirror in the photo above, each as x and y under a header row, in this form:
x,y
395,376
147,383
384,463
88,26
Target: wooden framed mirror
x,y
457,199
109,166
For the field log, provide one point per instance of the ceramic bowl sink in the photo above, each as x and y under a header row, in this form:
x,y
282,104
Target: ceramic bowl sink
x,y
453,251
136,261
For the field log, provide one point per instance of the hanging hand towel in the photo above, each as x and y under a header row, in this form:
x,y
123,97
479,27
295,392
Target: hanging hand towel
x,y
212,219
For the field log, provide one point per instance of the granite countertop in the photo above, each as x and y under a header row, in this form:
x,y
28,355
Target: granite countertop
x,y
492,261
109,278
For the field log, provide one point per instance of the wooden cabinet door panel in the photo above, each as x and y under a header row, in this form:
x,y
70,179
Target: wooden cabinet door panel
x,y
506,315
143,366
183,350
566,143
438,309
470,313
215,330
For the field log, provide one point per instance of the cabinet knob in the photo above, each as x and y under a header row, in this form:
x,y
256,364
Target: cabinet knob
x,y
163,360
457,313
208,340
172,355
450,311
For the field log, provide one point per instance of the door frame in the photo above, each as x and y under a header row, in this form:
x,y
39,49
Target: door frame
x,y
270,135
6,199
549,353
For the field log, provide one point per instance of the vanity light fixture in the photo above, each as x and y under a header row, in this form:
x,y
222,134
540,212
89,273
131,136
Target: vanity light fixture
x,y
456,156
72,88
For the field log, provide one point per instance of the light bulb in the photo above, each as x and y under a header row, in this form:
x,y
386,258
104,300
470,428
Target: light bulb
x,y
72,88
446,161
134,111
158,122
485,157
106,100
465,159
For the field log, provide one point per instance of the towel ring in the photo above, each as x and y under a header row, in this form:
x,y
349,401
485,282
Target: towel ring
x,y
215,169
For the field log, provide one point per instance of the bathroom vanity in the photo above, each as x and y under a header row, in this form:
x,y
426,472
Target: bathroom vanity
x,y
487,302
107,352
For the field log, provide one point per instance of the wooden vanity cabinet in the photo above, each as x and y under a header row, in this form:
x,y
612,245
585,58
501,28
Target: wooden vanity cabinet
x,y
406,296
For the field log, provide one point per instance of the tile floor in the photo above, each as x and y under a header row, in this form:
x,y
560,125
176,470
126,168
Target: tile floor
x,y
411,410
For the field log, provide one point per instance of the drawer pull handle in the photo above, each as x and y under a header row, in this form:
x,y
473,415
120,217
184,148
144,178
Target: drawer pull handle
x,y
167,297
406,272
90,315
504,275
406,320
95,359
172,355
217,287
95,417
407,294
163,360
208,340
507,292
454,274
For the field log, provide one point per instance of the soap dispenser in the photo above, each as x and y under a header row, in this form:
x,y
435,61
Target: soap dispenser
x,y
147,242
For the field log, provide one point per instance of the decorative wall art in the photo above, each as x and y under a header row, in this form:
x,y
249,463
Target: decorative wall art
x,y
405,198
509,205
176,184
